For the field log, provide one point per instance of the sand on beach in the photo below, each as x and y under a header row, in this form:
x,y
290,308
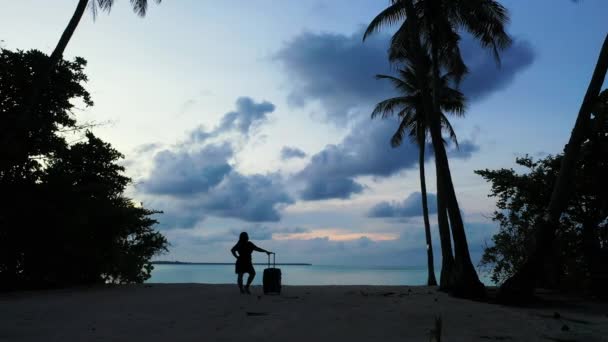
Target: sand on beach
x,y
197,312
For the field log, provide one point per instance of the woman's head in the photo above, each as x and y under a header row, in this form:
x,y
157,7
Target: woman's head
x,y
244,237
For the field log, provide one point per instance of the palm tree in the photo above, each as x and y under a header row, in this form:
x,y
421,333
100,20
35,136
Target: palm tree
x,y
139,6
415,124
521,285
432,25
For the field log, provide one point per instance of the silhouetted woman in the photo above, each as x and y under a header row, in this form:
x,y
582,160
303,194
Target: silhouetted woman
x,y
243,260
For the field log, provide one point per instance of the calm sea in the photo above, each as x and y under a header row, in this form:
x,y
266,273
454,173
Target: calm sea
x,y
298,275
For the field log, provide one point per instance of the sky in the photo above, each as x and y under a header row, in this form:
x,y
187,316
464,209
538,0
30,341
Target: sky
x,y
255,116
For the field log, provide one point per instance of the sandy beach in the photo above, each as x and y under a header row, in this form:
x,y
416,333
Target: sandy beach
x,y
196,312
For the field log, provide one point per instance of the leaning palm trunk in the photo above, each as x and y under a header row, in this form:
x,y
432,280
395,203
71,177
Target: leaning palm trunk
x,y
427,226
521,285
42,78
18,140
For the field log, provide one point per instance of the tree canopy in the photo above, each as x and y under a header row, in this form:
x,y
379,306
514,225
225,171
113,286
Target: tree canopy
x,y
582,235
64,218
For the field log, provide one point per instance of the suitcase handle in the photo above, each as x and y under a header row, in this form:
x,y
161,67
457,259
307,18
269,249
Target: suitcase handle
x,y
274,260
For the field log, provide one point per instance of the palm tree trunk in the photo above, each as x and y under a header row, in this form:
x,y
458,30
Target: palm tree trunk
x,y
420,69
446,281
466,281
42,78
521,285
427,226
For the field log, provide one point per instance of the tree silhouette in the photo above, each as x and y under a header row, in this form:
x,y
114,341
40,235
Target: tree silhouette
x,y
431,26
64,218
41,81
415,124
520,287
581,259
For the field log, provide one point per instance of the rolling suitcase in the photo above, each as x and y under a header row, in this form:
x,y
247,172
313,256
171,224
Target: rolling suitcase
x,y
272,277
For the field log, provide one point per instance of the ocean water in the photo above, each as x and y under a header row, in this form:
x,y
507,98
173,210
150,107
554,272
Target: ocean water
x,y
298,275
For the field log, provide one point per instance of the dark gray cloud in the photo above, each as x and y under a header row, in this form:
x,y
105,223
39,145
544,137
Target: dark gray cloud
x,y
181,173
465,150
485,77
247,116
195,177
252,198
335,69
330,187
291,152
338,70
365,151
410,207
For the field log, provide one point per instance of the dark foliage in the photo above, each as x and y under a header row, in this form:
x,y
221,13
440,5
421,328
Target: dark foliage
x,y
64,219
582,235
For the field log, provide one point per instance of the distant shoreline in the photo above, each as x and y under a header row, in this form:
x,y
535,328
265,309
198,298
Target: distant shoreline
x,y
222,263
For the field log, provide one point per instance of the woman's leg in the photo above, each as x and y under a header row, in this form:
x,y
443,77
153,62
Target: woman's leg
x,y
249,280
239,281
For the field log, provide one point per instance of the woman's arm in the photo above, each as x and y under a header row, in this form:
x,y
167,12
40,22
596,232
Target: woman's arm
x,y
233,251
258,249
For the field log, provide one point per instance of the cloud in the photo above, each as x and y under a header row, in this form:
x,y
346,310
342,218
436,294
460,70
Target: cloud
x,y
291,152
195,178
252,198
141,149
485,77
410,207
248,116
335,69
465,150
259,232
186,106
338,70
204,236
181,173
365,151
330,187
405,249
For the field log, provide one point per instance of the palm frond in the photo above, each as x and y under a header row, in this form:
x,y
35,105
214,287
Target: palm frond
x,y
387,107
140,7
447,127
486,21
398,83
399,48
407,125
397,138
452,101
388,17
